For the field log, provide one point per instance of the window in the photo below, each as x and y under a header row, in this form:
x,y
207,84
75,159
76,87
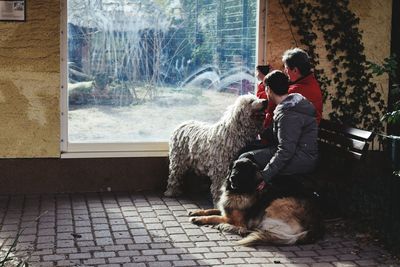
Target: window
x,y
138,68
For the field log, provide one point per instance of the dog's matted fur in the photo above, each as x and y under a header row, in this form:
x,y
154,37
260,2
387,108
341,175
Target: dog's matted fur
x,y
208,149
245,211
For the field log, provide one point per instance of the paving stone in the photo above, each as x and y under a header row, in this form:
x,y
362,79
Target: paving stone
x,y
66,250
167,257
65,243
59,236
139,246
325,259
302,260
348,257
85,243
327,252
262,254
114,248
91,248
215,255
184,244
344,264
200,250
134,265
208,262
104,241
159,264
104,254
95,261
287,254
54,257
144,258
366,262
232,261
325,264
254,260
238,254
184,263
119,259
128,253
68,263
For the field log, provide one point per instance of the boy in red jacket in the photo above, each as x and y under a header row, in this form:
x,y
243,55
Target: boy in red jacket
x,y
261,72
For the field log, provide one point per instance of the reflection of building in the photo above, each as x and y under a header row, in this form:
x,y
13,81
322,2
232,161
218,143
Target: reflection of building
x,y
143,41
230,26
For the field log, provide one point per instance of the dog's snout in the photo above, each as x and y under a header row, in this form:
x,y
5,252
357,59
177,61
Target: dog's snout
x,y
265,103
232,182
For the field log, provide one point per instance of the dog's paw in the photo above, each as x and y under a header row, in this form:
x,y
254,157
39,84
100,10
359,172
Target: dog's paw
x,y
229,228
224,227
243,231
196,221
172,193
196,213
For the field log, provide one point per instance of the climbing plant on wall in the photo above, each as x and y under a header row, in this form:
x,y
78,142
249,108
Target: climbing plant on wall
x,y
355,99
302,15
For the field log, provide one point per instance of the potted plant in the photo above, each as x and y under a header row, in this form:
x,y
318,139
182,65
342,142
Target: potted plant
x,y
392,115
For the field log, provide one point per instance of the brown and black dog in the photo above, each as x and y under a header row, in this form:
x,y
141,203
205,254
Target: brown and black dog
x,y
245,211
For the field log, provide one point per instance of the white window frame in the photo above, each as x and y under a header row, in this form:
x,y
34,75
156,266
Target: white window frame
x,y
134,149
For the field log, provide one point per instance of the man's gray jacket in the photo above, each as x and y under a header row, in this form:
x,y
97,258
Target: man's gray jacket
x,y
295,130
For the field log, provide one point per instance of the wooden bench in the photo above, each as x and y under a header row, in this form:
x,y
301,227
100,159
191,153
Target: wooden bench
x,y
341,149
349,141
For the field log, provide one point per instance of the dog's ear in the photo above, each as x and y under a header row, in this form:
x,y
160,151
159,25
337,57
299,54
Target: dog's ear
x,y
250,157
231,165
255,165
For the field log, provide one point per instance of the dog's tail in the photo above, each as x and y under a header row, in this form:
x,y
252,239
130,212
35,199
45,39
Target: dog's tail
x,y
271,237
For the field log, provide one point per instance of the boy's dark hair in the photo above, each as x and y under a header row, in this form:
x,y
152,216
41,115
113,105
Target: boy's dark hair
x,y
297,57
264,69
278,82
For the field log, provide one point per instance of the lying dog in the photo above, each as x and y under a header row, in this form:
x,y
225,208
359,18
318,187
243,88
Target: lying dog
x,y
245,211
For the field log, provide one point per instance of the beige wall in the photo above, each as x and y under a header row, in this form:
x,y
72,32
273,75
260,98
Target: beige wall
x,y
29,83
30,69
375,22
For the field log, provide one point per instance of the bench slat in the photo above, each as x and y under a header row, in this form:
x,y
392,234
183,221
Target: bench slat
x,y
347,130
344,140
340,140
335,151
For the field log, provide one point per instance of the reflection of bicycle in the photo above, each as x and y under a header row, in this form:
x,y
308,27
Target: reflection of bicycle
x,y
18,6
239,80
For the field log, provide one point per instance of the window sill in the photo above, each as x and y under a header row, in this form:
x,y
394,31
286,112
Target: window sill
x,y
125,154
116,150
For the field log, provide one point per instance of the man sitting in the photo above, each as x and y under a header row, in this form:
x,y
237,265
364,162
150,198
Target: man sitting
x,y
294,148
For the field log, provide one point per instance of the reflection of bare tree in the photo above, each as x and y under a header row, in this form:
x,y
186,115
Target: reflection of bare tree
x,y
140,45
122,39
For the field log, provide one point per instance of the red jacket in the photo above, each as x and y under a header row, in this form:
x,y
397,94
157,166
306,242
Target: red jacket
x,y
270,108
261,91
308,87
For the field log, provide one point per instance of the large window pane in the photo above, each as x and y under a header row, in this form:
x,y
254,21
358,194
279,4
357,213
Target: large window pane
x,y
138,68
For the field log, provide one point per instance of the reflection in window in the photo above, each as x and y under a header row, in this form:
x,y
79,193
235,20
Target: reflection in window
x,y
138,68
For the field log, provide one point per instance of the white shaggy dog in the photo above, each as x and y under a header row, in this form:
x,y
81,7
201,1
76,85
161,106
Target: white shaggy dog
x,y
208,149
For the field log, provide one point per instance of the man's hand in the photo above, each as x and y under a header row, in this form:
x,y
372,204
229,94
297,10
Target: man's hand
x,y
261,186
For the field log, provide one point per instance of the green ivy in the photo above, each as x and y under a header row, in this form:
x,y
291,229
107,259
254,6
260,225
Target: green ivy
x,y
390,66
355,100
301,15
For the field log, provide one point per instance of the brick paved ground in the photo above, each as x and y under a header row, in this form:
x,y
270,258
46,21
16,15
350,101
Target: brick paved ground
x,y
121,229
